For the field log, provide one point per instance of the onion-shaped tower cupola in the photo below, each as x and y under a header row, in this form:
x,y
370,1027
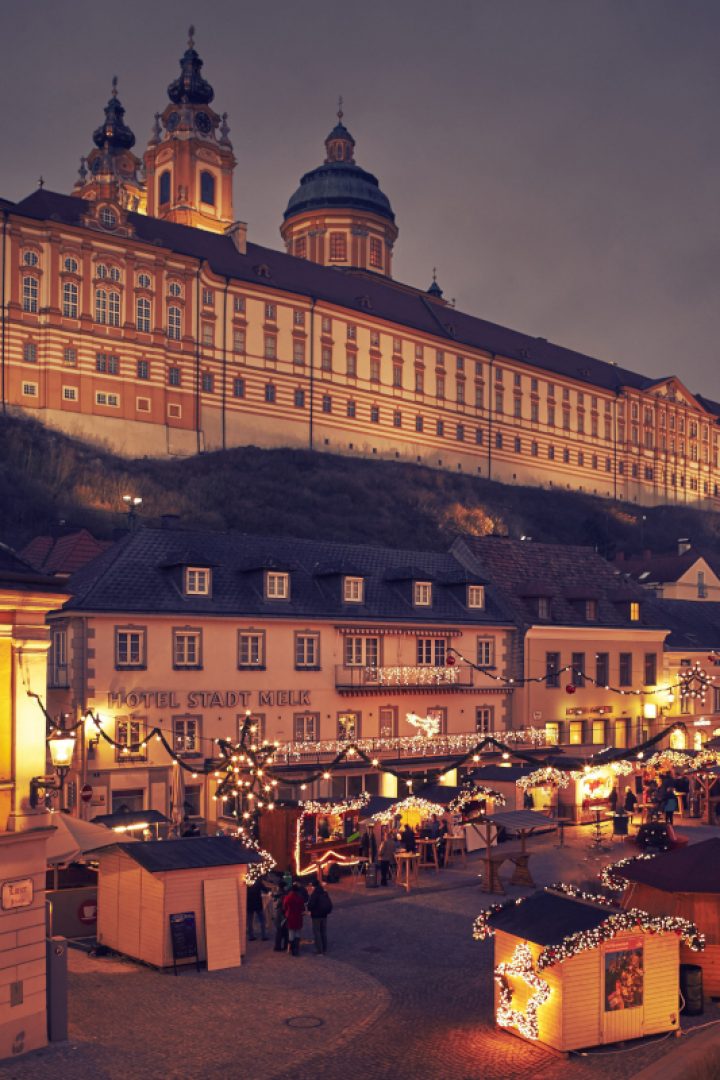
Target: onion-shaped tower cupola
x,y
111,170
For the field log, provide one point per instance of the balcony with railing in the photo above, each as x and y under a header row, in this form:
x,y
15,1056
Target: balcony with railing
x,y
430,678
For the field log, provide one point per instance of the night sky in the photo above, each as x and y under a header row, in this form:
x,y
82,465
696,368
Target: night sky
x,y
557,160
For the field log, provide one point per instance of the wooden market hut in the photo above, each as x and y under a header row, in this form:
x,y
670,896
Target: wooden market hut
x,y
141,885
622,988
684,882
503,778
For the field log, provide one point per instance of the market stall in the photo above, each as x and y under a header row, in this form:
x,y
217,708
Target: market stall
x,y
572,971
328,831
518,823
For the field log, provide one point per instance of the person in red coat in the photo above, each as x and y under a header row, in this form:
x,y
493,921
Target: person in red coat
x,y
294,906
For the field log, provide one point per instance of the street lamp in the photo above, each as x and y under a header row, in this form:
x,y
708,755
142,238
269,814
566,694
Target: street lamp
x,y
62,746
133,502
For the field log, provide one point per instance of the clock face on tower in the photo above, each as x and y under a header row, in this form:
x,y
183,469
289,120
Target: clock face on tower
x,y
172,121
203,123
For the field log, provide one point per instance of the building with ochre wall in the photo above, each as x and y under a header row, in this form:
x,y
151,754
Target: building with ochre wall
x,y
136,312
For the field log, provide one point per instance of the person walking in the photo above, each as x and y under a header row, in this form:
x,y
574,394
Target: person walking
x,y
670,806
293,907
254,906
320,905
386,855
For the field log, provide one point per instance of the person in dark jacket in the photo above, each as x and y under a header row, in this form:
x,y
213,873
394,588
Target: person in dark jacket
x,y
320,906
294,906
630,800
281,930
254,907
408,839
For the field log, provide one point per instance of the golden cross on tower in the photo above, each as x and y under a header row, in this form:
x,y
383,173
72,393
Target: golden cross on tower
x,y
340,108
191,37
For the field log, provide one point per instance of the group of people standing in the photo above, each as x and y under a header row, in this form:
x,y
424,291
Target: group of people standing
x,y
392,839
290,902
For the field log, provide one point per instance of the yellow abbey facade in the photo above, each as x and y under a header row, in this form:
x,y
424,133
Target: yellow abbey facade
x,y
135,312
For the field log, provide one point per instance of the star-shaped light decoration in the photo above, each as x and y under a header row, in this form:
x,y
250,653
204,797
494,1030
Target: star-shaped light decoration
x,y
521,965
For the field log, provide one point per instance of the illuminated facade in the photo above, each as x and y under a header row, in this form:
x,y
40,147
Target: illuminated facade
x,y
136,312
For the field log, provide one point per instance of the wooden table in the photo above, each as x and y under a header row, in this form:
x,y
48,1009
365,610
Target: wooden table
x,y
429,853
520,876
407,868
455,844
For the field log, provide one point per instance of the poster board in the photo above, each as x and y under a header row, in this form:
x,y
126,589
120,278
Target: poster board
x,y
222,923
183,937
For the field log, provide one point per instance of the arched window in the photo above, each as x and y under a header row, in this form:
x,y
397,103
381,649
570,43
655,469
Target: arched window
x,y
30,258
108,218
113,309
174,322
338,246
207,188
142,311
30,294
164,190
100,306
70,265
376,252
70,300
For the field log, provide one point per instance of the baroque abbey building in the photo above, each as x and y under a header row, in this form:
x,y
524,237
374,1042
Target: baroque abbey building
x,y
135,312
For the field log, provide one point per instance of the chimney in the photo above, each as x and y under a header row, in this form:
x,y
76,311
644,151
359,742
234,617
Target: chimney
x,y
683,545
238,234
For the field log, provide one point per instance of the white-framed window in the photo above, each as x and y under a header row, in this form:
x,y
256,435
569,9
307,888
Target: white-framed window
x,y
130,731
113,309
30,292
484,719
197,581
208,298
348,726
361,651
277,585
174,412
175,288
174,327
101,306
114,273
239,305
431,652
30,389
111,400
353,590
388,721
108,217
270,347
57,660
142,314
130,646
30,258
70,300
144,281
69,393
307,650
187,735
270,312
101,270
143,404
208,333
239,341
70,356
30,352
476,596
251,648
306,727
422,593
187,648
485,652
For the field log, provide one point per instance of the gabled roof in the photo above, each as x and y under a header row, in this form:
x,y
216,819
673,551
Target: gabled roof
x,y
133,576
384,298
17,573
652,569
691,869
547,918
190,853
63,554
692,624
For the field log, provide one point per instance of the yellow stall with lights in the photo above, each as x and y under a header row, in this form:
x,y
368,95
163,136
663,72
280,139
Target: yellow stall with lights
x,y
574,971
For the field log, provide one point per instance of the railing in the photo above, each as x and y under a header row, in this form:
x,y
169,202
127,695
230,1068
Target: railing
x,y
457,677
409,746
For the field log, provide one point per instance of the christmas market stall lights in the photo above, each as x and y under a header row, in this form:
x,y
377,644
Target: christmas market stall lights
x,y
573,971
328,832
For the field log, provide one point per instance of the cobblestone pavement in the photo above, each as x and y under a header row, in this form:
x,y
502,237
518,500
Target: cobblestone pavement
x,y
403,994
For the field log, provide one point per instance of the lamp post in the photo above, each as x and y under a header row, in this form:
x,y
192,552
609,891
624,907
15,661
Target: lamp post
x,y
133,502
62,746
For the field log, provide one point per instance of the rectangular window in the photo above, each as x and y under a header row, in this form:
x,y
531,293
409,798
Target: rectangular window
x,y
298,353
625,670
270,313
270,347
143,369
238,388
70,357
208,334
277,585
375,252
207,382
621,733
351,363
69,393
578,669
326,403
591,610
552,670
460,392
353,590
299,399
552,733
650,669
130,644
306,727
419,381
30,294
326,359
111,400
208,298
186,735
270,393
576,733
142,404
57,660
485,652
239,341
388,721
431,652
348,726
130,731
307,651
543,607
476,596
484,719
634,611
598,732
251,649
361,651
107,364
602,669
142,314
187,648
197,581
397,375
419,423
350,409
239,305
173,376
422,594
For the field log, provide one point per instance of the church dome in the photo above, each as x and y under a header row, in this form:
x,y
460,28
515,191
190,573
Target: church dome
x,y
114,132
339,183
190,88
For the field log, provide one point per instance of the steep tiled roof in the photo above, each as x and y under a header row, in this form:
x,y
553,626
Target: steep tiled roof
x,y
567,575
141,573
693,624
63,554
18,573
656,569
377,296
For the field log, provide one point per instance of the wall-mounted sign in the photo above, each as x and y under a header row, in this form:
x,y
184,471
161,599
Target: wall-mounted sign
x,y
205,699
17,894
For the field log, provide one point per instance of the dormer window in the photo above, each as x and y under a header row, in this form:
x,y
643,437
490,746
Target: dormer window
x,y
476,596
353,590
634,611
108,218
197,581
422,594
543,607
591,610
277,585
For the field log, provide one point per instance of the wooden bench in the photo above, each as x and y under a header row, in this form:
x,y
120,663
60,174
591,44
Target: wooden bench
x,y
520,876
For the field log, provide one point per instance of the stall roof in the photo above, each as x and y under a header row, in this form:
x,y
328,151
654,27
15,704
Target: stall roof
x,y
131,817
190,853
691,869
523,820
547,918
505,774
